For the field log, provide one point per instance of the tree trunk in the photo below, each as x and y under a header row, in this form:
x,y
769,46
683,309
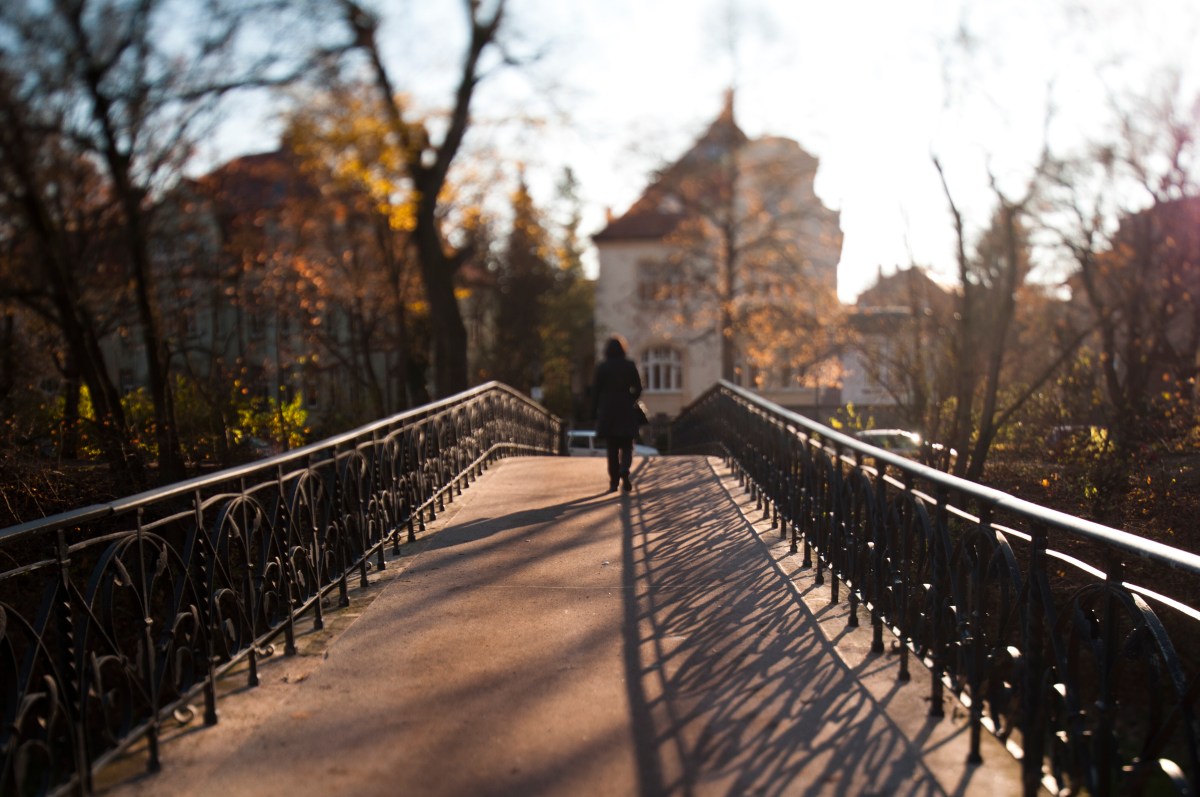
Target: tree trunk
x,y
68,439
429,166
450,337
8,365
59,269
129,196
449,332
399,376
166,435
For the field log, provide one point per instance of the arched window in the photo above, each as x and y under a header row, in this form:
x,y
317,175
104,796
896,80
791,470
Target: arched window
x,y
662,370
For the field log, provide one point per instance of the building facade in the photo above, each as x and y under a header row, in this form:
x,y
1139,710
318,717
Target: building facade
x,y
726,264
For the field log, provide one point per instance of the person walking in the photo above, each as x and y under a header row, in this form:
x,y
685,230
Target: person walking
x,y
615,391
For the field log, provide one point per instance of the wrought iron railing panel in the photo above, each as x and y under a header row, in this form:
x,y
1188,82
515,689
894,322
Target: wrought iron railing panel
x,y
118,615
1062,637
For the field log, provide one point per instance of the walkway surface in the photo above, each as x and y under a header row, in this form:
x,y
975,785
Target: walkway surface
x,y
551,639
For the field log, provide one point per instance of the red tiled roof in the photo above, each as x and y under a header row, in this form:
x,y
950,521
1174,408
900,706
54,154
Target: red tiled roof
x,y
644,224
257,182
646,219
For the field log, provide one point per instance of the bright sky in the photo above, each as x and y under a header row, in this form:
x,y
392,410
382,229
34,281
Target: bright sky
x,y
871,88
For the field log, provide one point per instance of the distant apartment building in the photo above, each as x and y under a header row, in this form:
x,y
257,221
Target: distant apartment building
x,y
285,286
730,240
897,331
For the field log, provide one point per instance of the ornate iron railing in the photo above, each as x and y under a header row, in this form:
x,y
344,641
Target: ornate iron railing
x,y
1089,678
114,616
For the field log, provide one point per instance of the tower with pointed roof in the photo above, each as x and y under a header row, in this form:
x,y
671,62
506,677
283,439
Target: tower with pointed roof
x,y
714,267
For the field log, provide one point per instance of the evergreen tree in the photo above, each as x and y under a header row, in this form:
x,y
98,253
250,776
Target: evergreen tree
x,y
568,310
526,276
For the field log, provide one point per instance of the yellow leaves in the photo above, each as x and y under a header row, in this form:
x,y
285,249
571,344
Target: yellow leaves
x,y
345,135
402,217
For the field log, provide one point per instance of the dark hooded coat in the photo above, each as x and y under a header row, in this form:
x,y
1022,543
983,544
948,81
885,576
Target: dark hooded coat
x,y
617,386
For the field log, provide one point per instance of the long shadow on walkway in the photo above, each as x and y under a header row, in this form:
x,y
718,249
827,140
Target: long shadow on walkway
x,y
733,689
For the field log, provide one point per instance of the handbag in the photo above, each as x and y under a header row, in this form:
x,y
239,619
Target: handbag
x,y
640,412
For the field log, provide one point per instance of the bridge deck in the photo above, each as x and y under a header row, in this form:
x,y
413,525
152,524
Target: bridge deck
x,y
550,639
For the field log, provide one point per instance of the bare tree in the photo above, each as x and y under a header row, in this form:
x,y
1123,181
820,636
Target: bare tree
x,y
112,83
345,144
993,377
428,166
53,259
1138,270
903,336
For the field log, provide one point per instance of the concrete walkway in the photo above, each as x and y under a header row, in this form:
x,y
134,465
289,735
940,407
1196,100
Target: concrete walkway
x,y
551,639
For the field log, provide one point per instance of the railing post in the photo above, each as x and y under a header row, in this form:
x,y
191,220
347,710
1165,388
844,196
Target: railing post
x,y
73,691
318,553
252,583
153,764
203,566
834,538
882,576
941,603
291,583
795,485
907,519
1106,703
1033,731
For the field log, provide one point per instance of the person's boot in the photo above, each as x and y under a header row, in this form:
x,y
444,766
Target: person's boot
x,y
612,485
625,485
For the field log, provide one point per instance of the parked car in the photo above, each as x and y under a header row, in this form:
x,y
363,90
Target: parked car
x,y
895,440
909,444
1077,438
584,443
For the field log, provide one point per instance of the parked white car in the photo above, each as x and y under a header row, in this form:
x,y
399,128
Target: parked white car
x,y
584,443
909,444
898,441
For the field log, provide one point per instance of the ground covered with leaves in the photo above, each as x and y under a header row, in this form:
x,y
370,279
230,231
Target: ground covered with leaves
x,y
32,489
1161,498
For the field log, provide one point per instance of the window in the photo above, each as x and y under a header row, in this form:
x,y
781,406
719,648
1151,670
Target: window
x,y
662,370
257,323
312,390
659,282
188,326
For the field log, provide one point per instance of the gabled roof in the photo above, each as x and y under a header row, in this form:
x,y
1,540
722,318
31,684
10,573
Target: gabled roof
x,y
907,288
654,215
253,183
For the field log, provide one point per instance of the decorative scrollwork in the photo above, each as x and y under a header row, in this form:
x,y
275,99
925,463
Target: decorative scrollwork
x,y
37,742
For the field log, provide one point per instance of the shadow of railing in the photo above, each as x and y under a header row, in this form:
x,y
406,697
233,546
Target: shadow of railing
x,y
1076,664
115,616
732,689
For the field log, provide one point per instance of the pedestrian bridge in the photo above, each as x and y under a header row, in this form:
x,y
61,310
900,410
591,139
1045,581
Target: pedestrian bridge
x,y
435,604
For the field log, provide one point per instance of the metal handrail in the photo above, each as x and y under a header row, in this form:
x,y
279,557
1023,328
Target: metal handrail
x,y
89,513
116,615
1066,660
1149,549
